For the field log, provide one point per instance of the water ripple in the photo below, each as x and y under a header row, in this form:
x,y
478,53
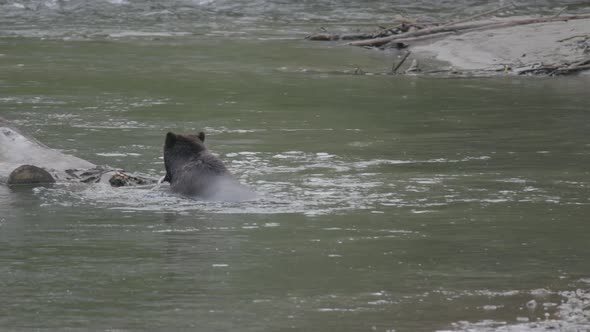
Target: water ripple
x,y
324,183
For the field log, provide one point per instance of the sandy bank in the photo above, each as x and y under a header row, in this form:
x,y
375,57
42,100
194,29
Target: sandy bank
x,y
513,46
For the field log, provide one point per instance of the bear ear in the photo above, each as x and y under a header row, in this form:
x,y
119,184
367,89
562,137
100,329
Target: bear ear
x,y
170,139
202,136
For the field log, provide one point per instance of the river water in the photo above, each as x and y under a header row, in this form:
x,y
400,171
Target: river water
x,y
385,203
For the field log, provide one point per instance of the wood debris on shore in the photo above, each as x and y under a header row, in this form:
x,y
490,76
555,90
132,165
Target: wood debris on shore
x,y
559,69
406,33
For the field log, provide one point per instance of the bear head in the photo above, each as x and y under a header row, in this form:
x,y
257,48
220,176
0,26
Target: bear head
x,y
178,149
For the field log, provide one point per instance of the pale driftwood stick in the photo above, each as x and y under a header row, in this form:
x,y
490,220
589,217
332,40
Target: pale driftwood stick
x,y
394,69
580,63
560,11
576,36
471,18
554,69
542,69
571,69
413,67
465,28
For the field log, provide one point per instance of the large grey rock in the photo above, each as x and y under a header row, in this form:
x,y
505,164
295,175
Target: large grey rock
x,y
29,174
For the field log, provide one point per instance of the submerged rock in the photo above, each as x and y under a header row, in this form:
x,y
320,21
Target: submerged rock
x,y
29,174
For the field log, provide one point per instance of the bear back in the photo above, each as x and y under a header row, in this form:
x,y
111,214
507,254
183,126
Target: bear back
x,y
190,168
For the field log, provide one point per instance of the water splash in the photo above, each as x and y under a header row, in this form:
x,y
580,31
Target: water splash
x,y
572,315
323,183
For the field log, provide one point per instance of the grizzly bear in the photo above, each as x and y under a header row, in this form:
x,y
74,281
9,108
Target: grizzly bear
x,y
192,170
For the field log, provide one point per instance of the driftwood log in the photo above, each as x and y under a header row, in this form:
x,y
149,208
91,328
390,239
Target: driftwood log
x,y
383,32
405,26
558,69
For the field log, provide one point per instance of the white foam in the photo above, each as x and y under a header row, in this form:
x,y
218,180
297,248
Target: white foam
x,y
125,34
491,307
316,183
177,230
336,310
111,154
573,315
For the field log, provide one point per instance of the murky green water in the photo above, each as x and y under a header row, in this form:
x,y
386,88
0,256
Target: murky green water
x,y
386,203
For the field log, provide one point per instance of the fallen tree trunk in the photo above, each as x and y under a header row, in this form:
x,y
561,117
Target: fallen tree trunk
x,y
576,36
384,32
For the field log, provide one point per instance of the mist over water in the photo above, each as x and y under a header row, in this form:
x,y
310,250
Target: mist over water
x,y
383,203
